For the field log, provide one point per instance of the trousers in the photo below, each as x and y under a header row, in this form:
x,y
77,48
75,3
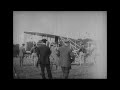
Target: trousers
x,y
65,71
47,66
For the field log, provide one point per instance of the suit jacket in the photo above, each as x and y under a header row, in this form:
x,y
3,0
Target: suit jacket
x,y
65,56
21,51
34,49
43,53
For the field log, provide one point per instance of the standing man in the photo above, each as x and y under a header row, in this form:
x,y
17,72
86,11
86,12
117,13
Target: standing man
x,y
37,52
83,53
65,59
21,54
53,57
34,55
43,53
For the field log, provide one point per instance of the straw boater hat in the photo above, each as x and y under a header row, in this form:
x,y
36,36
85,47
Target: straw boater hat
x,y
66,41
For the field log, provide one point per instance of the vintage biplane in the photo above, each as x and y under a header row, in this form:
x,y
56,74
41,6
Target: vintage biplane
x,y
75,44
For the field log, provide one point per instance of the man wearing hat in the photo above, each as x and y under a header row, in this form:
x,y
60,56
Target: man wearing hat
x,y
65,61
21,54
83,53
43,53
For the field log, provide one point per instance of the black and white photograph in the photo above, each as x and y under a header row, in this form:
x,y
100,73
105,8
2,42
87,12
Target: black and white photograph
x,y
59,44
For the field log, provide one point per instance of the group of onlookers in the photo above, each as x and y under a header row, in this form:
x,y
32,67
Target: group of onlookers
x,y
46,55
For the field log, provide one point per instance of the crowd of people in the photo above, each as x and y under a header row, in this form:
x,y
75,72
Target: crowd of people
x,y
46,55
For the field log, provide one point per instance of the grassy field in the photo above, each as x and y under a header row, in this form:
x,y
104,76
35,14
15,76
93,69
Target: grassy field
x,y
28,71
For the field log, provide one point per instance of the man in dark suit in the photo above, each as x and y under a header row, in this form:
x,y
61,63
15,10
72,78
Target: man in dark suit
x,y
43,53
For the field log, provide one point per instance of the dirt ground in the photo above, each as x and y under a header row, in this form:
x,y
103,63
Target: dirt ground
x,y
28,71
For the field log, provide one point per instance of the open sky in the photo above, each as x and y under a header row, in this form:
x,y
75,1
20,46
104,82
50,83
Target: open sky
x,y
73,24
